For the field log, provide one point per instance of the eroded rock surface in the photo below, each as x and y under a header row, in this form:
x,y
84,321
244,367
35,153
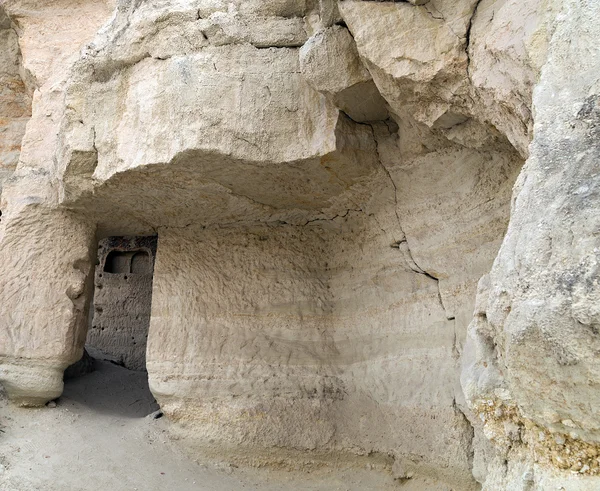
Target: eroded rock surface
x,y
329,183
120,318
533,341
15,97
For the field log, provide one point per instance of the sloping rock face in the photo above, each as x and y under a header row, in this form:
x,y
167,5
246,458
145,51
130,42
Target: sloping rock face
x,y
15,97
329,182
532,350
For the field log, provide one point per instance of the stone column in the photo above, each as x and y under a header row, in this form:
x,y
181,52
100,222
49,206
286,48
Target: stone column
x,y
46,259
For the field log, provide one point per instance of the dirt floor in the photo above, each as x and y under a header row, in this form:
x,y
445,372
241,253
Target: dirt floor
x,y
102,436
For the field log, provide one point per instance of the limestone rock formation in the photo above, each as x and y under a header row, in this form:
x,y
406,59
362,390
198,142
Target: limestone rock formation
x,y
376,223
15,97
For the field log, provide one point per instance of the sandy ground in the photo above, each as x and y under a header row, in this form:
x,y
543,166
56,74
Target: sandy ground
x,y
100,437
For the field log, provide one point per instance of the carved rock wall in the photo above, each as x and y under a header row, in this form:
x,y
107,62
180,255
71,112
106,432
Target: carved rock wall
x,y
328,181
120,317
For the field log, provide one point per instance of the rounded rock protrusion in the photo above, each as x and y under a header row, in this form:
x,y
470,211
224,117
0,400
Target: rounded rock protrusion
x,y
75,290
31,386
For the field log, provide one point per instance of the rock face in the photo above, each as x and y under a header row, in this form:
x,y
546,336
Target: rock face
x,y
330,183
533,342
15,97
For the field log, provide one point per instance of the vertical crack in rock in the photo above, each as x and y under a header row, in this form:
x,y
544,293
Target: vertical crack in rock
x,y
402,243
94,136
468,39
471,435
404,247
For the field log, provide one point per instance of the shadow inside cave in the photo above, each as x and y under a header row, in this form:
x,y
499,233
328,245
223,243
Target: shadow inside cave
x,y
111,389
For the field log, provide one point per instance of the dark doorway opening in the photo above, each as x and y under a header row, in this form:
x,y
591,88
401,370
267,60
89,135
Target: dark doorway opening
x,y
122,300
119,319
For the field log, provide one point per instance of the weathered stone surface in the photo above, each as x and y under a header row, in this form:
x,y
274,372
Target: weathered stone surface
x,y
329,182
122,300
533,340
280,315
15,97
43,324
444,63
52,33
416,55
329,61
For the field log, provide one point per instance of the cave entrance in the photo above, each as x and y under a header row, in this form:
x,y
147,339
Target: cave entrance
x,y
119,318
120,314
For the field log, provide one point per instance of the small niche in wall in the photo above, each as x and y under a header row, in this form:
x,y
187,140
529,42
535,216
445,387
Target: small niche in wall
x,y
140,263
117,262
135,262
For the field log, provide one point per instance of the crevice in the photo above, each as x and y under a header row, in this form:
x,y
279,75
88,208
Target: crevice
x,y
314,220
365,123
332,218
455,351
468,39
276,46
471,436
432,11
94,142
241,138
402,244
415,3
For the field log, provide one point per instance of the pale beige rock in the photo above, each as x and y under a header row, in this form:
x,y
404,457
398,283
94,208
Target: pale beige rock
x,y
286,314
508,47
444,63
43,326
15,97
329,61
540,315
416,55
53,32
319,256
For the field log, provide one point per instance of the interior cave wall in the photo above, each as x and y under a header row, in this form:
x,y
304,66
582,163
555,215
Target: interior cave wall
x,y
239,338
341,334
394,354
122,300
